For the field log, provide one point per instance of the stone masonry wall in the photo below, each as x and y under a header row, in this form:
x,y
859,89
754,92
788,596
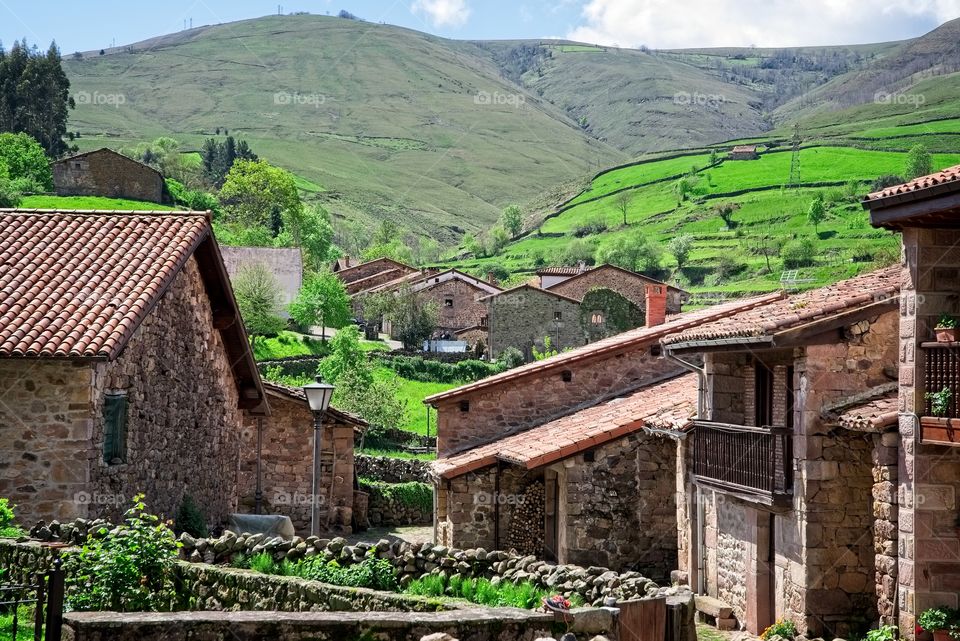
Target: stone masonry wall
x,y
104,173
390,469
287,465
46,433
732,535
466,309
521,318
620,509
183,424
512,407
466,510
630,286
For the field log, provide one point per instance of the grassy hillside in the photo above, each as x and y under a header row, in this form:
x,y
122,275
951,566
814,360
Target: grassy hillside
x,y
379,121
88,202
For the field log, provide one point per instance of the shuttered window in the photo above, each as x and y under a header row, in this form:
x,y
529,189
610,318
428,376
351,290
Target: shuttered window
x,y
115,427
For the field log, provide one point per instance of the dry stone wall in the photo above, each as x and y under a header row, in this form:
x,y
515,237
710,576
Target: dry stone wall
x,y
391,470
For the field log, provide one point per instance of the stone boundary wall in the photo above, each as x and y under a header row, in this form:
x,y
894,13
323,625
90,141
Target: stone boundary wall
x,y
502,624
391,470
383,510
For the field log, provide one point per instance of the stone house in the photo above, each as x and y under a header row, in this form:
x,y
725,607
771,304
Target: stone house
x,y
458,297
744,152
785,507
550,276
926,487
520,468
124,365
372,273
107,173
284,442
285,263
631,285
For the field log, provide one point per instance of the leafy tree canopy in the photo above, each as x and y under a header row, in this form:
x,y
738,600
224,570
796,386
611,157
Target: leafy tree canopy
x,y
258,297
323,300
257,194
25,160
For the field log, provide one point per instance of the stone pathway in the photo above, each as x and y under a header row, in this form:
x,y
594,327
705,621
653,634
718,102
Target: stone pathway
x,y
410,534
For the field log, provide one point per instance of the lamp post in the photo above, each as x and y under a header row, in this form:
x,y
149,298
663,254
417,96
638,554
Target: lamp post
x,y
318,398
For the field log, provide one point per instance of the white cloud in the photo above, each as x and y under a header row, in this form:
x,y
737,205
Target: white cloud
x,y
772,23
442,13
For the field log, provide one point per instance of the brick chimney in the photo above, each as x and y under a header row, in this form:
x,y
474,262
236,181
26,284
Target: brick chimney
x,y
656,296
491,278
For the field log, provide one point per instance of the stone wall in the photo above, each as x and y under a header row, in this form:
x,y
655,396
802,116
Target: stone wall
x,y
183,423
522,317
511,407
46,437
629,285
503,624
394,508
287,465
467,507
465,308
109,174
390,469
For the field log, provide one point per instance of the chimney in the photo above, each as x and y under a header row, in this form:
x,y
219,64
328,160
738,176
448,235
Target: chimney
x,y
491,278
656,296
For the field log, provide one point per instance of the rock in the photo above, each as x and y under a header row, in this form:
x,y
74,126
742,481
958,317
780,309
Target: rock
x,y
439,636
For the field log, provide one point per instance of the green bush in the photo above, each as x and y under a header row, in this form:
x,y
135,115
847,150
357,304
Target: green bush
x,y
782,628
417,368
126,569
798,253
509,358
412,494
190,518
377,574
8,528
524,595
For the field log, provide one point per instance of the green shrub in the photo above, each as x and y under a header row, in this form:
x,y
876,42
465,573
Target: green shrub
x,y
8,529
782,628
417,368
883,633
412,494
509,358
798,253
938,619
482,591
126,569
263,563
190,519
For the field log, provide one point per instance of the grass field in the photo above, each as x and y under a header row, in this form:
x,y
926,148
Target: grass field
x,y
413,393
289,344
89,202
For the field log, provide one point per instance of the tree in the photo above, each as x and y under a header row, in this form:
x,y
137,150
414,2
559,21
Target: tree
x,y
512,220
413,318
798,253
9,196
377,402
680,247
35,95
578,251
725,212
473,246
428,251
163,154
311,231
323,300
258,297
683,187
817,212
218,157
713,157
25,161
346,355
257,194
622,201
634,252
396,250
919,162
499,238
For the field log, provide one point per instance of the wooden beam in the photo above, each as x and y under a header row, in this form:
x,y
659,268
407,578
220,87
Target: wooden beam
x,y
809,332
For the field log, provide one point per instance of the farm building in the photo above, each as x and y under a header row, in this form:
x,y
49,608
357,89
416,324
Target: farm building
x,y
107,173
744,152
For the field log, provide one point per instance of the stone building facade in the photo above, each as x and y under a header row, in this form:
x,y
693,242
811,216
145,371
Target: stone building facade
x,y
779,504
107,173
373,273
458,298
285,263
286,462
631,285
523,316
152,333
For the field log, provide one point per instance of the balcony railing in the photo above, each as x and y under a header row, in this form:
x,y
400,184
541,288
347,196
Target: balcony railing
x,y
942,369
754,462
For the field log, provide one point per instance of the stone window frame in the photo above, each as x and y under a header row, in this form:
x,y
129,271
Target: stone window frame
x,y
116,408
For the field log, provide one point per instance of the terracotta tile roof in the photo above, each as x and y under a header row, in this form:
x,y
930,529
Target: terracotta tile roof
x,y
359,287
297,394
561,271
798,309
669,404
533,287
348,275
77,284
948,175
621,342
607,267
745,149
871,415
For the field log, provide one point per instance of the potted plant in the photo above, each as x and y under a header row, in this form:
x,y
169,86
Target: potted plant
x,y
941,621
946,329
940,402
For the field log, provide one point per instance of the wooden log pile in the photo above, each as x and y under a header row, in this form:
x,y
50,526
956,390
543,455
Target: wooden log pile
x,y
526,526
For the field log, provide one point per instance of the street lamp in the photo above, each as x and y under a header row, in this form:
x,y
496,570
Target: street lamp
x,y
318,398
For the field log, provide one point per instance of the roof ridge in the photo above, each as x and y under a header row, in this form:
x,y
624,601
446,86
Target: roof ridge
x,y
113,212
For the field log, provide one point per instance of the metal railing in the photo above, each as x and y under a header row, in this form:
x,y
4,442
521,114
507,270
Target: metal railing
x,y
46,598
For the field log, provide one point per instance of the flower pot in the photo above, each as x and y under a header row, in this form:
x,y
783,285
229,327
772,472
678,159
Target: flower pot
x,y
942,635
946,334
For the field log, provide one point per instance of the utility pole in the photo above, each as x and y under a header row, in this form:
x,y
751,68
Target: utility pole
x,y
795,159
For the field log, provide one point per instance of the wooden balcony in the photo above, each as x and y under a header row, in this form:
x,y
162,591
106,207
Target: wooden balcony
x,y
754,463
941,369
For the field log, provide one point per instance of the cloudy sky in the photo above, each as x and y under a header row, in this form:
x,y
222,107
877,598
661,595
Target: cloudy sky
x,y
82,26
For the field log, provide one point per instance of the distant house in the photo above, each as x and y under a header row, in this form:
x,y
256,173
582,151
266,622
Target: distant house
x,y
286,462
458,297
345,262
629,284
124,364
107,173
365,276
550,276
285,263
744,152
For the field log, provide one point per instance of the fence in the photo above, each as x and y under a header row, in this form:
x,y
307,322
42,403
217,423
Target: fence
x,y
46,597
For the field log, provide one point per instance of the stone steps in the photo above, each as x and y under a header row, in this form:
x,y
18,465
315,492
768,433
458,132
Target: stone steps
x,y
715,611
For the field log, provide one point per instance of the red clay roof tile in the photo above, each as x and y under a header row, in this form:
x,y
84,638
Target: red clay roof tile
x,y
948,175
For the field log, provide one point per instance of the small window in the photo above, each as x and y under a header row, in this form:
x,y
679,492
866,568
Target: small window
x,y
483,321
77,165
656,350
448,302
597,318
464,406
566,375
115,428
589,456
557,316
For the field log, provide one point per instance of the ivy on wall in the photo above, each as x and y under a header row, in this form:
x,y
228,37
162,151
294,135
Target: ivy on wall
x,y
605,312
